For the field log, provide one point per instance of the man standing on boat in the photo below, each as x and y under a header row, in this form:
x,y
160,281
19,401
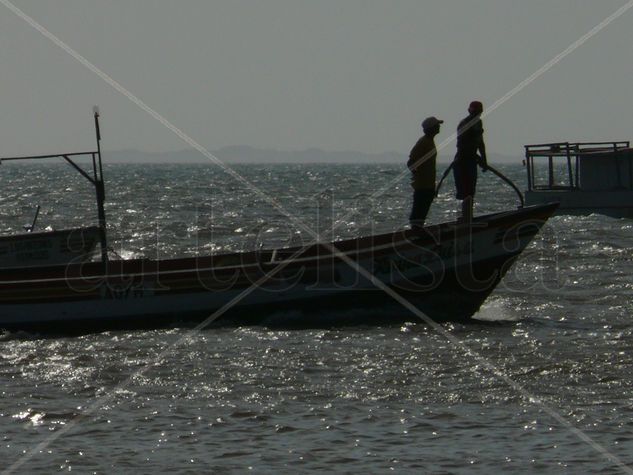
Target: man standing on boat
x,y
471,151
422,165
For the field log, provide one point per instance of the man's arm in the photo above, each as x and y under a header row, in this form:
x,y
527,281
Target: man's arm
x,y
418,155
483,162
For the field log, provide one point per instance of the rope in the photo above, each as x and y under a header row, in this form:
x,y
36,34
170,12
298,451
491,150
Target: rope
x,y
493,170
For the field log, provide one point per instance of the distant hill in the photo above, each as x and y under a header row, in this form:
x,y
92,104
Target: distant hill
x,y
246,154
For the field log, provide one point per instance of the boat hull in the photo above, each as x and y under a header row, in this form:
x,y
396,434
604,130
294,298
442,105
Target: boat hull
x,y
445,271
616,204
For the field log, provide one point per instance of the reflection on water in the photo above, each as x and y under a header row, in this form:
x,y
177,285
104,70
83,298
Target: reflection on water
x,y
357,399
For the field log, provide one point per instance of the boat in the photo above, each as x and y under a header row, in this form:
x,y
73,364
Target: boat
x,y
583,177
446,270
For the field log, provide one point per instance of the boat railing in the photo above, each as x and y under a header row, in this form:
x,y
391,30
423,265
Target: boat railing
x,y
95,178
563,158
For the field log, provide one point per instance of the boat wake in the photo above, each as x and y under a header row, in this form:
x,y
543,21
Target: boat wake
x,y
496,310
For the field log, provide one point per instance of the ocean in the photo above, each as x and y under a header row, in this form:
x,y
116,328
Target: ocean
x,y
540,383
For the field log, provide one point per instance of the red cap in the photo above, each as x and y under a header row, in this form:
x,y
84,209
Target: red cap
x,y
476,106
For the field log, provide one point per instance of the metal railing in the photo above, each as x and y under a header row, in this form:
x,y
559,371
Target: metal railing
x,y
571,153
95,178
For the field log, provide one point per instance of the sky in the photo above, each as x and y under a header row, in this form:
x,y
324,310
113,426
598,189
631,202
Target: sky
x,y
338,75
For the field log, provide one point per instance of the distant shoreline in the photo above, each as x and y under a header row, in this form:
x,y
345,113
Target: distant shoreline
x,y
251,155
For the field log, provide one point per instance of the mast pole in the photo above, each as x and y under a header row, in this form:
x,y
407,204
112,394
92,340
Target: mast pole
x,y
100,190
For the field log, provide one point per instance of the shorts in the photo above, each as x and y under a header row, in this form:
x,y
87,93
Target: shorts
x,y
465,175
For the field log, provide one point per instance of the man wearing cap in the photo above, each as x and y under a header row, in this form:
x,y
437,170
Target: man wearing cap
x,y
422,165
471,151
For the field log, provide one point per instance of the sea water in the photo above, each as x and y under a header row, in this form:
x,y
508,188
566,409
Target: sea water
x,y
541,384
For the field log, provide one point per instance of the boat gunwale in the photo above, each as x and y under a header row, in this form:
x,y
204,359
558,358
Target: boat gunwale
x,y
252,259
49,234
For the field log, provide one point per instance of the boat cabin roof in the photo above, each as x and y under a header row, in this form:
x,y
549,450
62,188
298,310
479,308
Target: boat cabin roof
x,y
565,149
579,166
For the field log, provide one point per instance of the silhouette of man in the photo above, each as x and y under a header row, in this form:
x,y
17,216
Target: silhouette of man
x,y
422,165
471,151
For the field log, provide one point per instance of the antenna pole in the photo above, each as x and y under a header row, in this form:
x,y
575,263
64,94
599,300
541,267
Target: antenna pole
x,y
100,189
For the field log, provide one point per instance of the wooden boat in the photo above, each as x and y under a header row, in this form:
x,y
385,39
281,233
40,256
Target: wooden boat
x,y
583,177
446,271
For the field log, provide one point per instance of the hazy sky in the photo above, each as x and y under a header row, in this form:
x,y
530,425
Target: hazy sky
x,y
291,74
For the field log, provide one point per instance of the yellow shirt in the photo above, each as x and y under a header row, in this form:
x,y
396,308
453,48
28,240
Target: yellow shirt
x,y
424,154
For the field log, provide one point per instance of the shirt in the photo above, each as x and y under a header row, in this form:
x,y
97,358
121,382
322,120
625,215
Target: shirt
x,y
470,137
422,164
